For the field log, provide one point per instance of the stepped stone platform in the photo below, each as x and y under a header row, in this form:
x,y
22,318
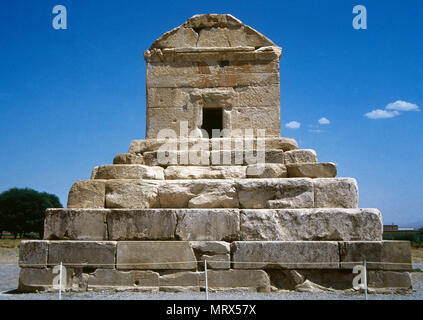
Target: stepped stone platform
x,y
178,265
336,224
260,213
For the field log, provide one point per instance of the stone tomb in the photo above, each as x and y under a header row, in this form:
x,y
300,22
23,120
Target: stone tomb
x,y
262,213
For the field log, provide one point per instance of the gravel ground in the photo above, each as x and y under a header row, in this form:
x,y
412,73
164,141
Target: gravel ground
x,y
9,279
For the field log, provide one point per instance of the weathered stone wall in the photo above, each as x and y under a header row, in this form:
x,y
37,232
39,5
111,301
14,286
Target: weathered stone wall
x,y
210,64
277,193
214,224
179,265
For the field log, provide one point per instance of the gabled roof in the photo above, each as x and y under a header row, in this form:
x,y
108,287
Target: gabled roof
x,y
212,30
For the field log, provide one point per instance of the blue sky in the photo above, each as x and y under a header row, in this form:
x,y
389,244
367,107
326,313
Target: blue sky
x,y
72,99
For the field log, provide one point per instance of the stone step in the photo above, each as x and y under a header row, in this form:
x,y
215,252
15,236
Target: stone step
x,y
278,193
188,255
269,143
127,171
128,158
178,265
212,158
214,224
300,156
379,255
250,280
199,172
312,170
266,170
151,281
296,161
290,157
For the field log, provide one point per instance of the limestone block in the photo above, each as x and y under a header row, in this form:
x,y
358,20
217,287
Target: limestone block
x,y
33,254
129,171
169,97
78,254
178,37
179,143
273,156
385,255
256,96
87,194
275,193
145,224
176,195
220,34
173,157
285,144
251,143
218,261
198,172
195,54
257,279
194,156
265,143
116,278
183,67
259,66
155,255
312,170
183,279
218,37
389,279
141,146
151,158
266,118
221,37
213,194
396,255
208,225
267,170
239,145
354,253
75,224
285,255
198,194
300,156
335,193
311,224
132,194
213,80
212,21
128,158
211,247
39,279
232,157
168,118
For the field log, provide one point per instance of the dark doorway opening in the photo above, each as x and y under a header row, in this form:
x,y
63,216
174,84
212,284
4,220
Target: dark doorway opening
x,y
212,119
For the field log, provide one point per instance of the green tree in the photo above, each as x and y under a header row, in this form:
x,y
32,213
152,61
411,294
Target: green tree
x,y
23,210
